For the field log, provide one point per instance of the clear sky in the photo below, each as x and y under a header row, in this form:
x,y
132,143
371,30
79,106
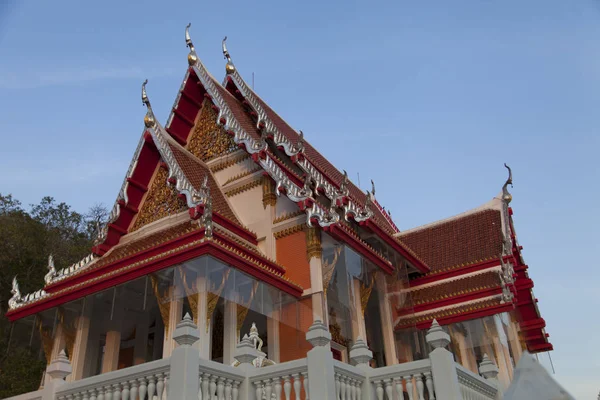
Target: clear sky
x,y
429,99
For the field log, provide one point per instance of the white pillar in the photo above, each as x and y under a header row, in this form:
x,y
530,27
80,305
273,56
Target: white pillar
x,y
204,328
230,331
273,335
185,362
175,311
387,321
319,360
316,285
443,368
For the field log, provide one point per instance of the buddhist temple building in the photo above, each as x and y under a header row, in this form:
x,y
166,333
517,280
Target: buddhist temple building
x,y
228,214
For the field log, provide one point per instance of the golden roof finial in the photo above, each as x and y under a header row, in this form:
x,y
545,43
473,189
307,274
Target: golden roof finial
x,y
149,119
506,196
192,57
229,68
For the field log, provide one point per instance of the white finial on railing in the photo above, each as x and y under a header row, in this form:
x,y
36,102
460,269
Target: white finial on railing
x,y
436,336
245,351
60,367
360,355
186,333
318,334
487,368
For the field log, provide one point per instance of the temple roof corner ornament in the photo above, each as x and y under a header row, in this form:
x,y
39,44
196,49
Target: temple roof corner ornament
x,y
192,56
49,277
229,67
372,188
16,299
149,119
506,196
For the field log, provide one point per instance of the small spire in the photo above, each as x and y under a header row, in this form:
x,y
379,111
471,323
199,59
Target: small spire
x,y
149,119
506,196
192,57
372,188
229,68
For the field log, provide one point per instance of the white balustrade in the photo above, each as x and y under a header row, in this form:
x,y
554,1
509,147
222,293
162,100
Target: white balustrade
x,y
348,381
281,381
473,386
141,382
218,382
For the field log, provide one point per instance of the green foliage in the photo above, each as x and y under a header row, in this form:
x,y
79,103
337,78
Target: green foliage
x,y
27,238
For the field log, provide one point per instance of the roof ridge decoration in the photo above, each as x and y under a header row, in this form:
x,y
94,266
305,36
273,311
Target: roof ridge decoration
x,y
256,148
18,300
338,196
182,184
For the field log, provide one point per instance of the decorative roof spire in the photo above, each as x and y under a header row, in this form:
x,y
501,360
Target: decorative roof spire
x,y
51,270
372,188
506,196
229,68
149,119
192,57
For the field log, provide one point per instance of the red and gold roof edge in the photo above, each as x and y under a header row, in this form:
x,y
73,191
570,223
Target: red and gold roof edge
x,y
464,312
159,256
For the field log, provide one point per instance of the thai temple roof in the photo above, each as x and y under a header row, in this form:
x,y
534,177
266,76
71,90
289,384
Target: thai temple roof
x,y
462,267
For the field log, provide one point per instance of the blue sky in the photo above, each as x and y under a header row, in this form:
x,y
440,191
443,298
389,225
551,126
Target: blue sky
x,y
429,99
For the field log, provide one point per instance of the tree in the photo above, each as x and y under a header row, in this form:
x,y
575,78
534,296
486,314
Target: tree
x,y
26,241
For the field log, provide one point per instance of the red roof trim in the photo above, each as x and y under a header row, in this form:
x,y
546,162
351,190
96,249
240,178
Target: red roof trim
x,y
339,233
467,269
397,246
485,312
462,298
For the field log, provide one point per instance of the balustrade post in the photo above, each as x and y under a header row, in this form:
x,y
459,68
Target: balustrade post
x,y
185,362
320,363
443,367
489,370
58,370
360,356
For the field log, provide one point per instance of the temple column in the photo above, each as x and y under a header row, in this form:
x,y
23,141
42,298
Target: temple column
x,y
203,344
112,346
359,330
140,345
175,311
513,341
468,361
505,372
230,331
314,252
387,321
80,347
273,336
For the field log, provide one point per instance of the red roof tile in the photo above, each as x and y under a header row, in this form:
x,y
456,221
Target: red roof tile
x,y
464,240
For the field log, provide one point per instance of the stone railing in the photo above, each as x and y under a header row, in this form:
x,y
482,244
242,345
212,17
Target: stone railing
x,y
218,381
318,376
349,381
414,378
289,379
141,382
